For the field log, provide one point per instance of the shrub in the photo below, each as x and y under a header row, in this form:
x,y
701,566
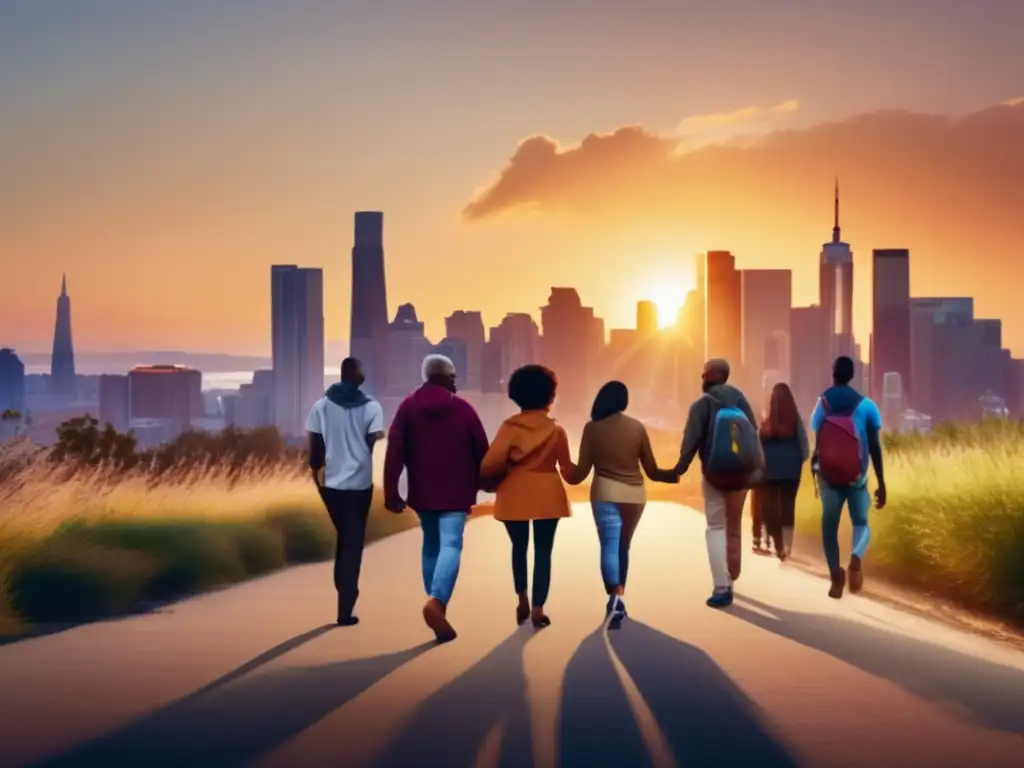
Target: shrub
x,y
102,540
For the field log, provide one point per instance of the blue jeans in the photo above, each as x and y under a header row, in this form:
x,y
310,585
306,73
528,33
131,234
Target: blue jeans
x,y
442,551
859,502
616,524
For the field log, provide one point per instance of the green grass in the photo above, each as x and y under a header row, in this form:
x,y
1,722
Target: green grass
x,y
95,545
954,522
89,569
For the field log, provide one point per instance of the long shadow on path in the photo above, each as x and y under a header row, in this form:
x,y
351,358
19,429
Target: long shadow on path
x,y
597,728
991,692
706,719
450,727
239,716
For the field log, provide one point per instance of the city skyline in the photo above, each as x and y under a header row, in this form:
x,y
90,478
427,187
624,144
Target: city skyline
x,y
252,164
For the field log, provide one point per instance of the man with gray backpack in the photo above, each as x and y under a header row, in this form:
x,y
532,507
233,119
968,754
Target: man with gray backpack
x,y
722,429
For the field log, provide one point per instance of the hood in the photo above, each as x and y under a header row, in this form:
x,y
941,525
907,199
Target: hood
x,y
432,399
726,394
347,395
533,430
842,398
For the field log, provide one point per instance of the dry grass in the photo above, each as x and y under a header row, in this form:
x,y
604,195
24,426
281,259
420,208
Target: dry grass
x,y
55,519
954,522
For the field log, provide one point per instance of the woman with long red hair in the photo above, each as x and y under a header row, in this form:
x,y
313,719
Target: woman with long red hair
x,y
784,439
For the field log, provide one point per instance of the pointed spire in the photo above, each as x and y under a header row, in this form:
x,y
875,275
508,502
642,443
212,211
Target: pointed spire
x,y
835,226
64,285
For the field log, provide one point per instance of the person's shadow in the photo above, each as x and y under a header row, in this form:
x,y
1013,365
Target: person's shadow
x,y
992,692
450,727
597,727
705,717
239,716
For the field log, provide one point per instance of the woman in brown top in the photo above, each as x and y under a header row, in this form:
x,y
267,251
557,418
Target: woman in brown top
x,y
616,446
523,464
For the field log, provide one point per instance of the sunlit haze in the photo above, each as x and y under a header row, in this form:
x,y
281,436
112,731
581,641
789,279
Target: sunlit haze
x,y
165,154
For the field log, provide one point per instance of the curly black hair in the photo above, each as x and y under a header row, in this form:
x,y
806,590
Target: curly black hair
x,y
532,387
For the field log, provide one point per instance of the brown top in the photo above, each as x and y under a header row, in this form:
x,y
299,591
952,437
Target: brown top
x,y
524,462
617,447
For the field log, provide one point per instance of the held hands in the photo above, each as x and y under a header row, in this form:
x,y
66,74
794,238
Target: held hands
x,y
395,505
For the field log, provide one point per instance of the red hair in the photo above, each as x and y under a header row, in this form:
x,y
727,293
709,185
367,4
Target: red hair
x,y
782,414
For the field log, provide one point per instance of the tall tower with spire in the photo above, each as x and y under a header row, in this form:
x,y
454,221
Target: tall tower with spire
x,y
836,289
62,364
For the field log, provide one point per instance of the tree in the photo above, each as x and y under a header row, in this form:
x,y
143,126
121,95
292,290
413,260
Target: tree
x,y
81,441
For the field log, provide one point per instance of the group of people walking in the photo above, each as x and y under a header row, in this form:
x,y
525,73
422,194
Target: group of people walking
x,y
438,440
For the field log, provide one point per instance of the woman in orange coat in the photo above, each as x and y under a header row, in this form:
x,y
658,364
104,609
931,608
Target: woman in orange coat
x,y
523,463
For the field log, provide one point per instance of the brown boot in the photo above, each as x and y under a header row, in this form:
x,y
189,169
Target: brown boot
x,y
434,614
856,575
838,583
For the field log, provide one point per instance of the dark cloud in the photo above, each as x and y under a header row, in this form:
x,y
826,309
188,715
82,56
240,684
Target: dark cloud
x,y
952,189
978,158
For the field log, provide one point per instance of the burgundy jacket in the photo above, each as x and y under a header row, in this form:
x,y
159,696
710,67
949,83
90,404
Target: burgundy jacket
x,y
438,439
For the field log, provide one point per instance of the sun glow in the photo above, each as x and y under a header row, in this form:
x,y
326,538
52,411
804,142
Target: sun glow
x,y
668,295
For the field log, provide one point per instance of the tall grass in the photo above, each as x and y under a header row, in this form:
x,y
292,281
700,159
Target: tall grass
x,y
954,522
79,542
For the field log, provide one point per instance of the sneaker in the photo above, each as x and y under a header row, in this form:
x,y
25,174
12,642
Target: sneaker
x,y
616,609
348,621
838,582
855,575
720,599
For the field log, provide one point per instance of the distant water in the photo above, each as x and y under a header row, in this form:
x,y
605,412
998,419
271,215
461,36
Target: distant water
x,y
217,380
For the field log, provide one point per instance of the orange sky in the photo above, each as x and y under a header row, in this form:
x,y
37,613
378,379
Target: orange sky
x,y
166,174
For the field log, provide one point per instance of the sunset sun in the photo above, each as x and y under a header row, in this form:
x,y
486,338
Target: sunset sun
x,y
668,292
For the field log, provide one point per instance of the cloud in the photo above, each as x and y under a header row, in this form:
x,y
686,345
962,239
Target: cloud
x,y
1016,102
951,189
702,123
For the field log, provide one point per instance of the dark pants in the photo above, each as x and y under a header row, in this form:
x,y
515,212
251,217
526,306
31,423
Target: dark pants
x,y
778,504
349,511
757,497
543,543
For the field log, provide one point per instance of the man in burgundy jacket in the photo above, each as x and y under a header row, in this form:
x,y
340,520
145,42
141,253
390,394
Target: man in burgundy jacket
x,y
439,440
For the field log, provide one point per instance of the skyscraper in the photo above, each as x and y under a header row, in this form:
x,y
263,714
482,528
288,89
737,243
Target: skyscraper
x,y
723,324
694,308
891,351
115,401
62,364
167,393
942,347
572,341
368,330
835,285
767,302
989,362
514,342
12,382
407,345
646,318
297,308
468,327
810,368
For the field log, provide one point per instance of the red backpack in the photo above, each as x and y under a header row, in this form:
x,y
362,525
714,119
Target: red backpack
x,y
838,448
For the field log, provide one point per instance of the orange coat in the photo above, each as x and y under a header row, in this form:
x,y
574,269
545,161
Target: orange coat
x,y
525,459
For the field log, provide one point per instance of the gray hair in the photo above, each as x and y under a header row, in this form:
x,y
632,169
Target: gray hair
x,y
437,365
